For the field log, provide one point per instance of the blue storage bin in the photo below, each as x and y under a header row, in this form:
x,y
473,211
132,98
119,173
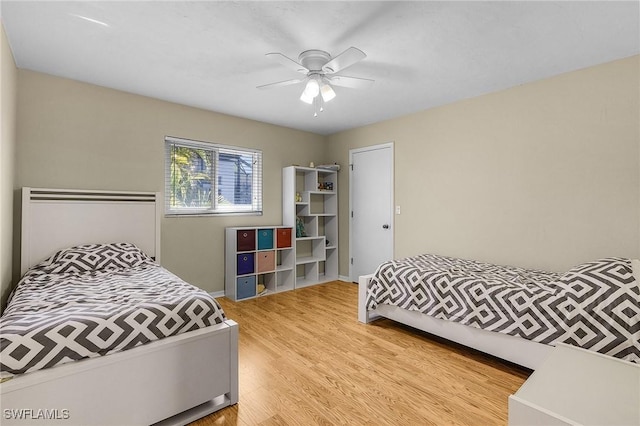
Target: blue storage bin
x,y
265,239
245,264
246,287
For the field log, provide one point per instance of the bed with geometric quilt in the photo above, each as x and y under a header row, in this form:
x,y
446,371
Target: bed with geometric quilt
x,y
94,300
595,305
101,335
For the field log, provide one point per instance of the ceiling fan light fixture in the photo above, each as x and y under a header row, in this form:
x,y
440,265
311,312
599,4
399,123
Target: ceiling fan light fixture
x,y
320,70
312,89
327,92
305,98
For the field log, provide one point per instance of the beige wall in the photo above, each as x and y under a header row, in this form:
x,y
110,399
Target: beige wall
x,y
544,175
76,135
8,83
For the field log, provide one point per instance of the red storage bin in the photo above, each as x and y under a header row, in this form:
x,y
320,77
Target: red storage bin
x,y
246,239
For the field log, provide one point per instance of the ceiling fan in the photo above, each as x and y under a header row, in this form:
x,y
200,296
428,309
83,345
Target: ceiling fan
x,y
320,70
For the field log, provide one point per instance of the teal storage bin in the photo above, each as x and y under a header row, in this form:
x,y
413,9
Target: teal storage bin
x,y
265,239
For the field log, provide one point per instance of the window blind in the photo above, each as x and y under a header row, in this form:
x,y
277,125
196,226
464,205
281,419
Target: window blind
x,y
204,178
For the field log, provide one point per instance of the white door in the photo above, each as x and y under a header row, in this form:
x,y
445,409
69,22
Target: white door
x,y
371,208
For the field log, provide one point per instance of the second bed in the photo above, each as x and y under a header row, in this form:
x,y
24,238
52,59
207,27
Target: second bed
x,y
513,313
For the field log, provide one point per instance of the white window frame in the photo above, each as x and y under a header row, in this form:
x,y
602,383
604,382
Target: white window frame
x,y
217,209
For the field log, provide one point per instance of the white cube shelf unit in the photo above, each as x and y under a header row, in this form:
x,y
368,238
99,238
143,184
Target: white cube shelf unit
x,y
311,195
258,261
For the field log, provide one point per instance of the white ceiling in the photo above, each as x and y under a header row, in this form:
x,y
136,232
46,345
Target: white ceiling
x,y
421,54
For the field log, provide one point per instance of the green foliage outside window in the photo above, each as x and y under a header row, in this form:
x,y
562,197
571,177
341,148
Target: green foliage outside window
x,y
191,178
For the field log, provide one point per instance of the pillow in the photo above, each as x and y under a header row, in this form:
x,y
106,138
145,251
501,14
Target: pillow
x,y
95,257
598,275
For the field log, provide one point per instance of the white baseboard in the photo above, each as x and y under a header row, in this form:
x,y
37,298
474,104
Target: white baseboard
x,y
216,294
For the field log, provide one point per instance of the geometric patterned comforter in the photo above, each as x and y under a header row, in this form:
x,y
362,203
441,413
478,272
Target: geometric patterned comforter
x,y
595,305
94,300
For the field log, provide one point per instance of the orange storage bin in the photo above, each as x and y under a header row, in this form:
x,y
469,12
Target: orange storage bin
x,y
283,239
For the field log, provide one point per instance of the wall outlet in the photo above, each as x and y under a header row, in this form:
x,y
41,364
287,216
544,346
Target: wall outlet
x,y
397,209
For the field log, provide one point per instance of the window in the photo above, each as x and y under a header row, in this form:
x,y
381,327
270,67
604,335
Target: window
x,y
205,179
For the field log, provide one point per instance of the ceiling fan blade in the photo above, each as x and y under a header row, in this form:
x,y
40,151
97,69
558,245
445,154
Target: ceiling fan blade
x,y
281,83
288,62
344,60
351,82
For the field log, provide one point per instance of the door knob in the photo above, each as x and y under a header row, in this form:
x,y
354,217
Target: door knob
x,y
385,226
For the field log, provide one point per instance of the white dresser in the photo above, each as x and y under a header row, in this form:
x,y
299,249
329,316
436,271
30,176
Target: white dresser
x,y
578,387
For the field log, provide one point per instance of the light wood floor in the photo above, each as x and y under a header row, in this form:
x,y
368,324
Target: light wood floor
x,y
306,360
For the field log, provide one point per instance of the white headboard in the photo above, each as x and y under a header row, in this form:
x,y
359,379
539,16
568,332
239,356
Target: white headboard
x,y
53,219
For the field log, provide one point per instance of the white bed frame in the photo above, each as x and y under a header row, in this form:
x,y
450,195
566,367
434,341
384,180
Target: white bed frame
x,y
172,381
511,348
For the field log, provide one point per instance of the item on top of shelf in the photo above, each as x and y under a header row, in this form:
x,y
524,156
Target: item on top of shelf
x,y
335,167
312,165
298,197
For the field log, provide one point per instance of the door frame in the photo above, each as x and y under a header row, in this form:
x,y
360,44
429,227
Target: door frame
x,y
389,145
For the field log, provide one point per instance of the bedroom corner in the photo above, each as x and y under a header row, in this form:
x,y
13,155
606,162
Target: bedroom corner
x,y
8,77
